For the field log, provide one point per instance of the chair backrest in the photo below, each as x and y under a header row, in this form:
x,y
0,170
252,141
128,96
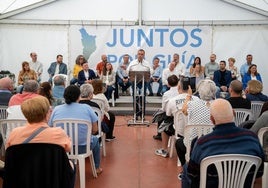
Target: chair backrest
x,y
7,125
193,131
73,127
241,115
100,117
3,112
256,107
263,138
37,165
232,169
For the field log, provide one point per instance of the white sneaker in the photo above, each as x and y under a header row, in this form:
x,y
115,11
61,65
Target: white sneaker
x,y
161,152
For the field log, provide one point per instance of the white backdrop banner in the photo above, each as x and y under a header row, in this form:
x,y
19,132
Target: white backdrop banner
x,y
18,40
161,42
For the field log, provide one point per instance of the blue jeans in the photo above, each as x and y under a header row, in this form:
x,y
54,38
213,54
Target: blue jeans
x,y
123,85
95,147
159,87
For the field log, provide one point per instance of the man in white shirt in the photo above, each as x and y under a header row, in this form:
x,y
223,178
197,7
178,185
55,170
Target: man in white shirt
x,y
36,66
173,106
140,65
179,66
173,84
170,70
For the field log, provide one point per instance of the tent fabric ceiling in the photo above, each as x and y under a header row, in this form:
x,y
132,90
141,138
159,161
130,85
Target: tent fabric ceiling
x,y
6,6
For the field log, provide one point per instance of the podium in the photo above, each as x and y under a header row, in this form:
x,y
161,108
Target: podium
x,y
139,77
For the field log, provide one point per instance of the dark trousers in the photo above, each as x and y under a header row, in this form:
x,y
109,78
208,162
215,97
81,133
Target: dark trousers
x,y
110,124
181,150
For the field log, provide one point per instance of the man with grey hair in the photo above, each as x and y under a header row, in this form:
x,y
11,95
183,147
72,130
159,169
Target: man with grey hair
x,y
226,138
6,89
29,91
59,87
87,94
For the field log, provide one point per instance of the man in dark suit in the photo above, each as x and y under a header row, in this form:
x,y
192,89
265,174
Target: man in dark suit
x,y
222,79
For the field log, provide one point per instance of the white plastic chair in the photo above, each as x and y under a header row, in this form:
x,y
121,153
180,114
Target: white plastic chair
x,y
70,126
3,112
101,134
256,107
232,169
180,121
263,133
241,115
6,126
193,131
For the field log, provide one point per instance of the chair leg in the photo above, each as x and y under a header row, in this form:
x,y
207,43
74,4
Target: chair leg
x,y
171,144
82,173
91,158
103,144
113,99
265,174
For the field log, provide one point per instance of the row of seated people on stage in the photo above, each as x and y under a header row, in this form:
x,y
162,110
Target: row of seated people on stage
x,y
200,108
220,73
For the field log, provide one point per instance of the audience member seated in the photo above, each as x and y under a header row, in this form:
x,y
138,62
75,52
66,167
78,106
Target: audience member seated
x,y
29,91
174,106
109,117
73,110
225,135
86,75
25,74
252,74
197,112
233,68
236,99
211,67
45,90
156,77
172,92
58,90
6,89
222,79
262,119
108,77
197,61
170,70
122,75
254,91
37,112
77,68
57,67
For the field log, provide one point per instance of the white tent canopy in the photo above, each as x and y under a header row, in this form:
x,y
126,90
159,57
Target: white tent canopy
x,y
229,28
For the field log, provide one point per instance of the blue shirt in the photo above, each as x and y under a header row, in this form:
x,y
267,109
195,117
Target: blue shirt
x,y
158,72
75,111
244,69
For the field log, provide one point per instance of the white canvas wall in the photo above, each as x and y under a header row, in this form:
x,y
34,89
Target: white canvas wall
x,y
17,41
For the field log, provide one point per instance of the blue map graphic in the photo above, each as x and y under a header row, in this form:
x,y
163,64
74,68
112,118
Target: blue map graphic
x,y
88,42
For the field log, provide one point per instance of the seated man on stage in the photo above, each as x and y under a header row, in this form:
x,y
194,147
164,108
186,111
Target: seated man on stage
x,y
140,65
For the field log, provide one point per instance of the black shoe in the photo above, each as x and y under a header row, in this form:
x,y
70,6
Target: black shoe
x,y
159,94
151,94
157,137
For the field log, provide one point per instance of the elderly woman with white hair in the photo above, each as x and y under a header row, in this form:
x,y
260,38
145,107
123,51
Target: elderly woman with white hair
x,y
197,112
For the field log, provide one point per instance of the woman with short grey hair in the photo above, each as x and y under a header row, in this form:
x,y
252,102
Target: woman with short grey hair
x,y
198,111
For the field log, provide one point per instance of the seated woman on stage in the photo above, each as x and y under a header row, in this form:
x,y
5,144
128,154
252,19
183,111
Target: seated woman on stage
x,y
108,77
25,74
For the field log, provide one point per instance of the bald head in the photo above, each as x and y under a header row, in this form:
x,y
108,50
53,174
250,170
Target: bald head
x,y
6,84
221,112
